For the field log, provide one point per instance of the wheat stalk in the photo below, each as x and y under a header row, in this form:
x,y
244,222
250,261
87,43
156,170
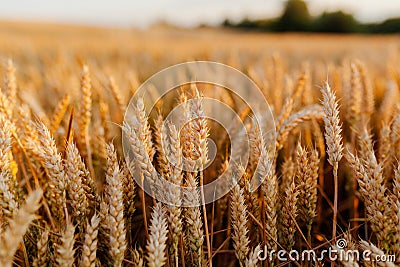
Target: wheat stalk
x,y
333,140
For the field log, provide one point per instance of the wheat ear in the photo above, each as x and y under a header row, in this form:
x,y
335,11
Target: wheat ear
x,y
65,251
270,191
114,191
368,104
76,191
43,250
163,166
307,179
52,161
373,191
142,128
255,142
158,237
375,251
356,96
116,94
7,195
289,214
305,114
137,258
89,248
13,236
175,177
10,83
59,113
86,103
396,182
252,259
239,224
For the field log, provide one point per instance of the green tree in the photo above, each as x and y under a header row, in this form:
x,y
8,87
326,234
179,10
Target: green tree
x,y
295,17
338,21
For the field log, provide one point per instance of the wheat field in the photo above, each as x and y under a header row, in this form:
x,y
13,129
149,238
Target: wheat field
x,y
67,194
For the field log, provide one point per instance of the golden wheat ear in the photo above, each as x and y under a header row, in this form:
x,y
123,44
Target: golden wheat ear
x,y
156,245
43,254
65,255
89,248
239,224
115,198
18,225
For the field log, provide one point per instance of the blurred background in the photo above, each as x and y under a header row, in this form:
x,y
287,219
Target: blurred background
x,y
368,16
147,36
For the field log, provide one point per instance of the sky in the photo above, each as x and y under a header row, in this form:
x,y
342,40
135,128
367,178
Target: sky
x,y
143,13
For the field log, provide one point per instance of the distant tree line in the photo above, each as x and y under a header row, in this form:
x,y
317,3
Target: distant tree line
x,y
296,18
